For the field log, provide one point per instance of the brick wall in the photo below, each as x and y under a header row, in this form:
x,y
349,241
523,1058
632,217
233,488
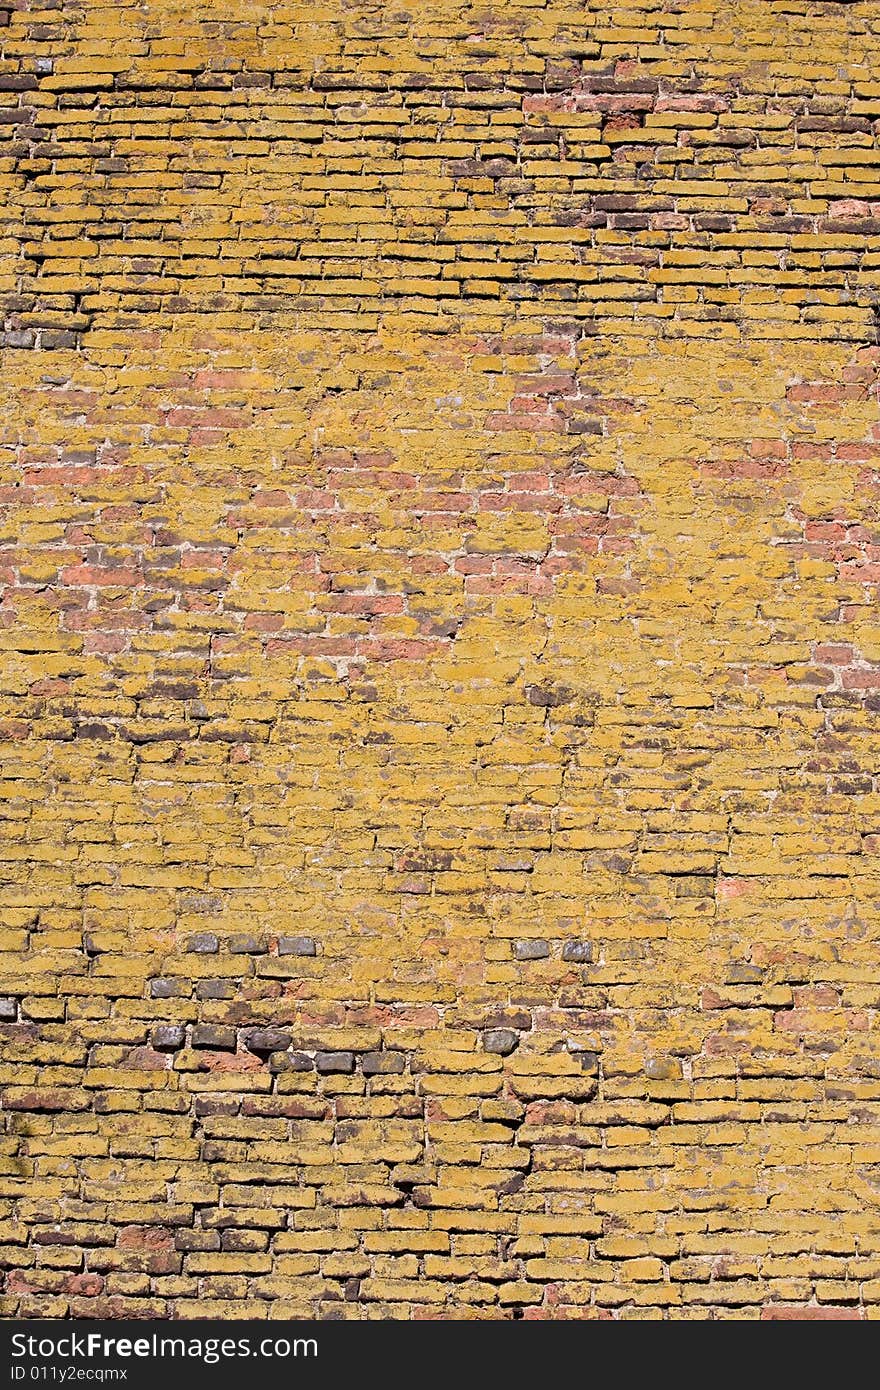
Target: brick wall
x,y
440,497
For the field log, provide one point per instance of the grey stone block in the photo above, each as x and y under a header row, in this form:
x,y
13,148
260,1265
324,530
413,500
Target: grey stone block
x,y
297,946
383,1063
243,945
531,950
204,943
291,1061
167,1037
335,1061
579,951
211,1036
169,988
262,1041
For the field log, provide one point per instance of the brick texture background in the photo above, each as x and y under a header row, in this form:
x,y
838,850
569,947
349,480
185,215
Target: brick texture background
x,y
439,559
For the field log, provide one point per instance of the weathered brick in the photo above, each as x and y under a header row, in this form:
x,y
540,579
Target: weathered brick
x,y
580,951
531,950
291,1061
383,1063
265,1040
243,944
296,946
502,1040
211,1036
203,943
170,989
335,1061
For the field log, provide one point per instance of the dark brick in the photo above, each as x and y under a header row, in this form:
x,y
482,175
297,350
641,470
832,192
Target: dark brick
x,y
19,338
168,988
211,1036
204,943
265,1040
167,1037
531,950
242,945
500,1040
335,1061
51,339
215,989
579,951
588,1061
291,1061
197,1240
297,946
383,1063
